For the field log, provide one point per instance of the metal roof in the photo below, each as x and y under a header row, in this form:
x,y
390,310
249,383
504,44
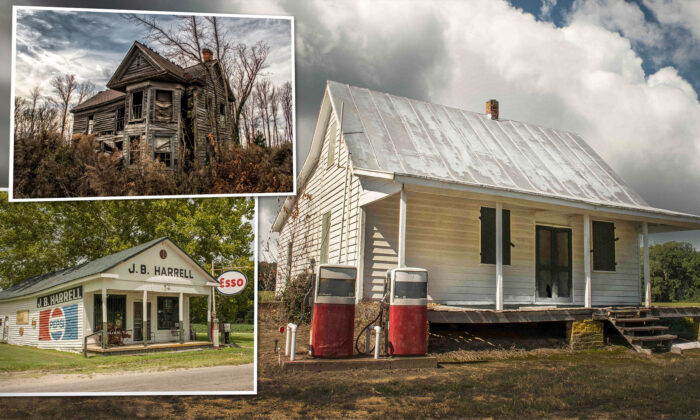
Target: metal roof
x,y
405,136
46,281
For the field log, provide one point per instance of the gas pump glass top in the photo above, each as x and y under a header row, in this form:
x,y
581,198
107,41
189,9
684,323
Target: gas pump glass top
x,y
336,281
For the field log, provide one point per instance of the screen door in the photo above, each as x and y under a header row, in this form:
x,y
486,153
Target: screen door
x,y
553,264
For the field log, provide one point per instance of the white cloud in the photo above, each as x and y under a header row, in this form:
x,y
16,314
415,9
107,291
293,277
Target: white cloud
x,y
546,8
584,77
684,13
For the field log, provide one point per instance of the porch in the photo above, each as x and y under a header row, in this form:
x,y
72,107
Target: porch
x,y
505,252
152,348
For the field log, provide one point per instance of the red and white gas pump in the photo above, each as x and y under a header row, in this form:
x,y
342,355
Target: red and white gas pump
x,y
408,312
333,321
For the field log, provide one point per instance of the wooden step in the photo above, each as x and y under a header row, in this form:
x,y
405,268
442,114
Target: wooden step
x,y
634,311
645,328
651,338
643,319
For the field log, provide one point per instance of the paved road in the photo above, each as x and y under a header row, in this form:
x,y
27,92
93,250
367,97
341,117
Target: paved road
x,y
219,378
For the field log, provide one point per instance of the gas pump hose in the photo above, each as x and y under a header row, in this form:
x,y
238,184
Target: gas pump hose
x,y
379,317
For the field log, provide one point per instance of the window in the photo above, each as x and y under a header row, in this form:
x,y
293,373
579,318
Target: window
x,y
222,109
325,231
119,125
289,257
119,145
168,312
22,317
332,133
134,149
137,105
488,236
162,150
336,287
604,246
91,123
164,105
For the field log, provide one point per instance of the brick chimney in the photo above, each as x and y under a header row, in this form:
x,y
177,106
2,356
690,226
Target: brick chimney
x,y
492,109
207,55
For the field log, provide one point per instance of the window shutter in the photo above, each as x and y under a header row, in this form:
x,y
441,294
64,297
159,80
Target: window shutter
x,y
603,246
488,236
325,232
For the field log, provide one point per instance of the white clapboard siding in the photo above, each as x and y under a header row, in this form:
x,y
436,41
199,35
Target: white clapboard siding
x,y
443,236
323,192
30,336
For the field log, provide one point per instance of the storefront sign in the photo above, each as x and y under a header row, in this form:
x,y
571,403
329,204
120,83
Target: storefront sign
x,y
158,270
231,283
60,297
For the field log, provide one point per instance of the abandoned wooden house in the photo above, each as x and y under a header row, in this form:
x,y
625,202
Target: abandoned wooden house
x,y
155,102
504,215
135,300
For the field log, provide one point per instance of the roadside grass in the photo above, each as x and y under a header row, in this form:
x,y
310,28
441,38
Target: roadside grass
x,y
201,330
266,295
16,359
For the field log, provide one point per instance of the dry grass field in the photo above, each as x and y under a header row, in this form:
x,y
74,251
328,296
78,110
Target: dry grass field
x,y
497,375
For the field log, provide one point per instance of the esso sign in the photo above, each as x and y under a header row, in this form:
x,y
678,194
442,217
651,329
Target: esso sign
x,y
231,283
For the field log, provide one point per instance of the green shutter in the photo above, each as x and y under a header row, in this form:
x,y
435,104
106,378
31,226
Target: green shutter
x,y
488,236
331,144
604,246
325,232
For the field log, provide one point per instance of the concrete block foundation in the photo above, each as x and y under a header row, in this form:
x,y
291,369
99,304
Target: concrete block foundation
x,y
586,334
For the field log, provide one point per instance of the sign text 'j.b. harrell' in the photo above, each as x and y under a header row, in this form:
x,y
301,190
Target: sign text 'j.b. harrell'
x,y
158,270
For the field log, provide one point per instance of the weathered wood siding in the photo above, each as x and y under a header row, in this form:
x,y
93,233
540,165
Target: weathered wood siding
x,y
323,192
30,336
443,236
138,67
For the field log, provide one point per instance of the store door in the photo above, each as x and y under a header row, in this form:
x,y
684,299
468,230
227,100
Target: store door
x,y
138,321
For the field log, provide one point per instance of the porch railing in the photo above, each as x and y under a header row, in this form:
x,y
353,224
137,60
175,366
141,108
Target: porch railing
x,y
85,340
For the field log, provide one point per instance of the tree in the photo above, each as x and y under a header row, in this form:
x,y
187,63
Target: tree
x,y
64,86
287,104
249,62
84,90
675,272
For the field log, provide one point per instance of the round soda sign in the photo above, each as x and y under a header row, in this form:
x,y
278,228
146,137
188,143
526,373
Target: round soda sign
x,y
231,283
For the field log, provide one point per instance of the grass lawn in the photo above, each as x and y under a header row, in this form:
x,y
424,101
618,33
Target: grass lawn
x,y
266,295
679,304
15,359
201,330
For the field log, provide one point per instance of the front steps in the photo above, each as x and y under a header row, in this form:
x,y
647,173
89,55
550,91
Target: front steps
x,y
640,329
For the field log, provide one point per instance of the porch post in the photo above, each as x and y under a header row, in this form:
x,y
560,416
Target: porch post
x,y
499,256
402,228
144,319
209,338
587,259
104,317
647,269
181,328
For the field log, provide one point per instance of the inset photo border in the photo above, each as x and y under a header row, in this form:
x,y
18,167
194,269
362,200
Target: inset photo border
x,y
71,309
121,104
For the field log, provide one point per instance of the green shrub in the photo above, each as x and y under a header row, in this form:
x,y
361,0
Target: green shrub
x,y
293,299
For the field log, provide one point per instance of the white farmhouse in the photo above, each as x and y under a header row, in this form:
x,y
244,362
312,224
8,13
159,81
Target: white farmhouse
x,y
503,214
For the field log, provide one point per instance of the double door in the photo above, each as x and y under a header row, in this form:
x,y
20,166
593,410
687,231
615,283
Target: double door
x,y
553,264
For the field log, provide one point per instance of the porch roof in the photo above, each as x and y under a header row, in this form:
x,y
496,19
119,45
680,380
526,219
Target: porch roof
x,y
42,282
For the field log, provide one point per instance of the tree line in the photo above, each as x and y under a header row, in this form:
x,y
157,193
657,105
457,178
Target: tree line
x,y
675,272
42,237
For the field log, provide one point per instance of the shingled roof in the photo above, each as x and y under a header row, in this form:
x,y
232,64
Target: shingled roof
x,y
46,281
100,98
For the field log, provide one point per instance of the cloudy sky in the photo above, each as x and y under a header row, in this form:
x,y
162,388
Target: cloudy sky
x,y
52,42
624,75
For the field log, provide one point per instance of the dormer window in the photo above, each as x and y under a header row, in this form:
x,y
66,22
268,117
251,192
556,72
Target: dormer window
x,y
136,105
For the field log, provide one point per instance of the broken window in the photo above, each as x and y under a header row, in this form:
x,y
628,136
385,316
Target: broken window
x,y
119,145
91,123
136,105
120,119
134,149
164,105
162,150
